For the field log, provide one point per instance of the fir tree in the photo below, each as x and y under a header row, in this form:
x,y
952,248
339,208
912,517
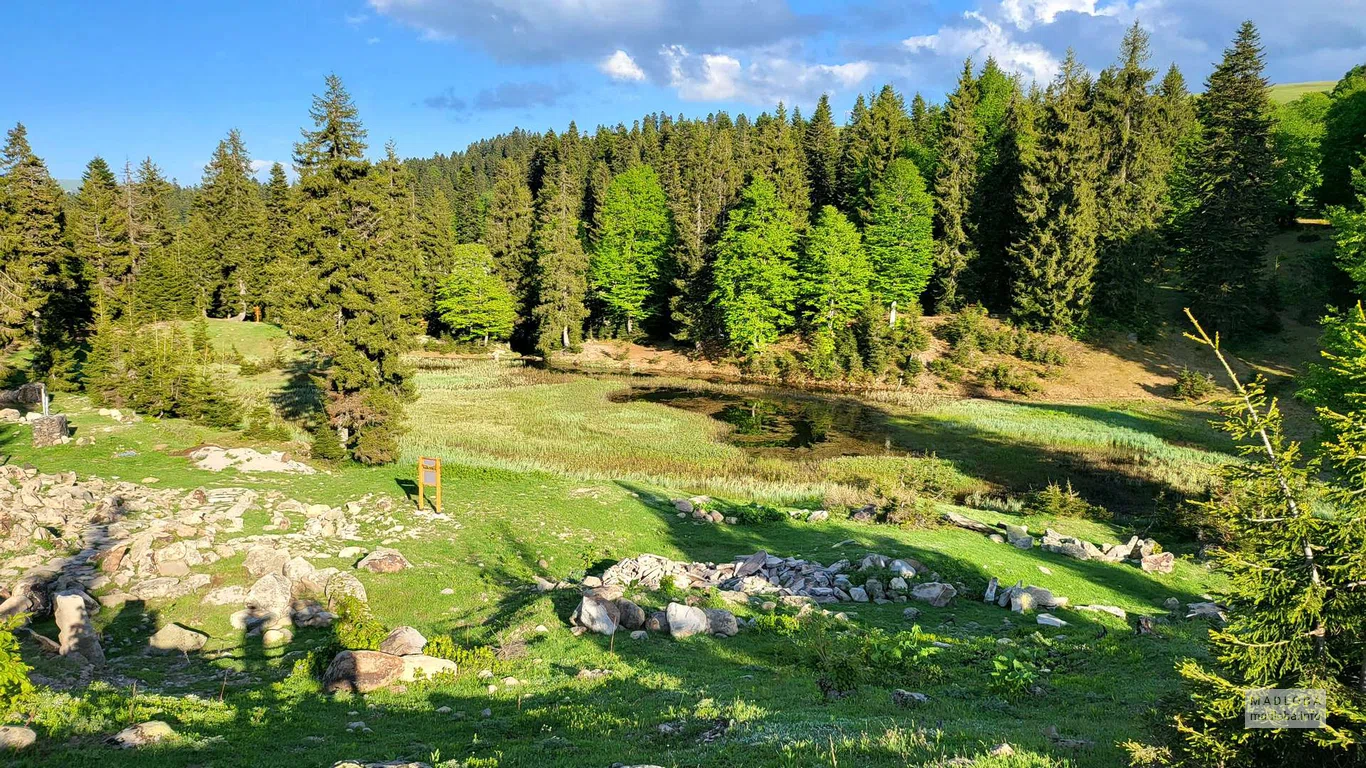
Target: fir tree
x,y
99,235
635,234
899,238
471,300
469,219
834,273
152,229
282,262
955,189
778,156
436,242
999,213
856,146
821,146
227,226
1224,235
754,274
561,264
510,221
1056,255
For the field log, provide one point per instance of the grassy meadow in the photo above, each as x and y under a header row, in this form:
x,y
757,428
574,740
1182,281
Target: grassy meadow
x,y
550,474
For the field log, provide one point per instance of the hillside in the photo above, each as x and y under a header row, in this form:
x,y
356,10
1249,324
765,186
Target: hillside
x,y
1286,92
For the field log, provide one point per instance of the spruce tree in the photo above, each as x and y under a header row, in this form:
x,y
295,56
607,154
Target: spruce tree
x,y
465,205
99,235
821,146
471,300
899,238
436,242
560,283
152,229
1055,258
635,235
282,262
354,306
754,275
510,219
778,156
998,214
1224,235
856,146
834,274
955,188
228,242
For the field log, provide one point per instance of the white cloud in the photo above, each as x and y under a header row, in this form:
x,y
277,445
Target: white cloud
x,y
1026,13
765,81
355,19
985,38
620,66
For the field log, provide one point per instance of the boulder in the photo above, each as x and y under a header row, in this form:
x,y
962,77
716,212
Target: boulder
x,y
721,622
141,735
596,615
419,665
233,595
75,634
752,564
629,615
403,641
50,430
174,637
270,594
1161,562
298,569
905,698
685,620
343,584
361,671
265,559
1019,537
935,593
1049,620
657,622
16,737
858,594
384,561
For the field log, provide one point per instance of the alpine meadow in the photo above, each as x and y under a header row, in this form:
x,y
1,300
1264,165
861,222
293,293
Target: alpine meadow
x,y
1010,414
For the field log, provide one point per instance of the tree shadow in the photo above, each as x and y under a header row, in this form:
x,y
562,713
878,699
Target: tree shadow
x,y
300,399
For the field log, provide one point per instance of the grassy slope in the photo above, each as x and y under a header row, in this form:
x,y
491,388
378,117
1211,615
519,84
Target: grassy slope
x,y
506,516
1282,93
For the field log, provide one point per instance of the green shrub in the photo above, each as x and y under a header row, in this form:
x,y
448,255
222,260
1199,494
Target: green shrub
x,y
15,688
752,514
1194,385
327,446
1012,678
1063,501
1007,504
947,370
779,624
445,647
355,627
1005,377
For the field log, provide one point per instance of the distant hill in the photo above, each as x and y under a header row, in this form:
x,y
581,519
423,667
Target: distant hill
x,y
1285,92
72,186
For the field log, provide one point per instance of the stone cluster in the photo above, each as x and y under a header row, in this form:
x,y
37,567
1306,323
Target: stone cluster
x,y
1141,552
696,507
399,659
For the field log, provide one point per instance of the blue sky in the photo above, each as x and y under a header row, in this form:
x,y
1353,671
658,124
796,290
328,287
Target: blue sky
x,y
131,78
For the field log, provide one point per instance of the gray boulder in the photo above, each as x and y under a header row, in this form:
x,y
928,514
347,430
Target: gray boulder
x,y
403,641
384,561
141,735
270,594
935,593
16,737
629,615
361,671
721,622
685,620
75,633
596,615
174,637
343,584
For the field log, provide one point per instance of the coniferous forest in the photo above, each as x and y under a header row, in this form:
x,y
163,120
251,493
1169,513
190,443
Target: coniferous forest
x,y
1061,207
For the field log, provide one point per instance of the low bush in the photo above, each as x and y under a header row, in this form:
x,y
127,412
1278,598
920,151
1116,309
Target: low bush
x,y
445,647
1063,501
1013,678
1005,377
355,627
15,688
1194,385
779,624
947,370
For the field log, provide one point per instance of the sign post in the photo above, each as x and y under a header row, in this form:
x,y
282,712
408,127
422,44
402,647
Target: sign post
x,y
429,474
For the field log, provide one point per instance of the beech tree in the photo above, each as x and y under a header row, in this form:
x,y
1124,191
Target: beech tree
x,y
754,273
899,238
472,300
634,235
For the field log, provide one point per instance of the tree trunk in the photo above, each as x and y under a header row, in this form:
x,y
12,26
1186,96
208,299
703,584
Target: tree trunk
x,y
564,337
891,321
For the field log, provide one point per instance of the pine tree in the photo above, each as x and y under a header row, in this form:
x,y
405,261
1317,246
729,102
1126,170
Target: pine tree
x,y
471,300
436,242
99,235
899,238
856,146
998,214
227,226
152,230
635,235
778,157
354,305
1224,235
282,262
561,264
754,274
1349,234
1056,255
834,274
510,221
821,146
1131,196
469,218
166,285
955,188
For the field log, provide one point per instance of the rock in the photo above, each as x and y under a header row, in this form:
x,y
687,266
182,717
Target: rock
x,y
9,415
1110,609
1019,537
1045,598
174,637
1204,611
935,593
1002,750
277,636
16,737
858,594
298,569
1171,604
233,595
657,622
639,634
910,614
721,622
173,568
419,665
904,698
1162,562
403,641
75,634
752,564
270,594
1049,620
966,522
685,620
344,584
141,735
50,430
1021,600
989,596
361,671
384,561
630,615
264,559
596,615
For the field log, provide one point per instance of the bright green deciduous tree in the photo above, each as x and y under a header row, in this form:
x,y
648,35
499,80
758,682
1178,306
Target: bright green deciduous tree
x,y
755,280
472,300
834,273
899,237
634,236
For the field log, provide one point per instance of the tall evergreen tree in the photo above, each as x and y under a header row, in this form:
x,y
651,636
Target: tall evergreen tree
x,y
899,238
1056,256
755,288
510,220
955,188
99,235
1224,234
856,146
778,156
821,146
436,240
227,233
561,263
635,235
152,229
354,305
998,214
281,260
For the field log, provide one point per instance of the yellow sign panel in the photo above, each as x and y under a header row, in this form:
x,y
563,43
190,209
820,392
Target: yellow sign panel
x,y
429,474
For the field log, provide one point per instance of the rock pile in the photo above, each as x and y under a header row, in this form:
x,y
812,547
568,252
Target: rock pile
x,y
216,459
603,614
696,507
789,579
399,659
1141,552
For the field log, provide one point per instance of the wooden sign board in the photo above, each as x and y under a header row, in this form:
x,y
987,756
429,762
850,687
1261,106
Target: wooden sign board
x,y
429,475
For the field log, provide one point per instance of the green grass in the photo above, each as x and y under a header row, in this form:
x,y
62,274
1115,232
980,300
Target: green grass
x,y
1282,93
548,467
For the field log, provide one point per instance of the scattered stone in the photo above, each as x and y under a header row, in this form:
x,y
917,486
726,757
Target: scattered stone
x,y
1162,562
1205,611
721,622
141,735
630,615
685,620
596,615
174,637
75,632
403,641
1171,604
1110,609
1019,537
935,593
1002,750
361,671
904,698
344,584
216,459
911,614
639,634
384,561
1049,620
